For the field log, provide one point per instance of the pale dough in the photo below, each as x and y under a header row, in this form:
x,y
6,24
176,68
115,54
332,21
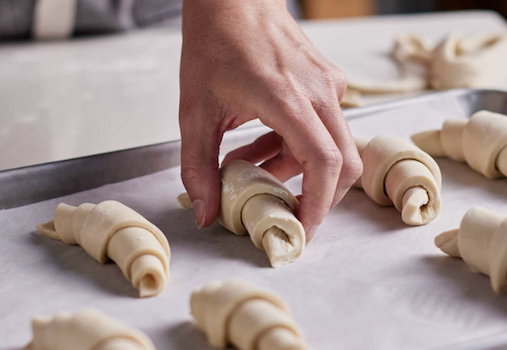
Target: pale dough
x,y
480,141
351,99
245,316
113,230
54,19
255,202
87,329
481,241
400,174
456,62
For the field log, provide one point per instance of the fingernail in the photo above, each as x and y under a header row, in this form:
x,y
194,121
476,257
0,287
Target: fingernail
x,y
199,212
311,231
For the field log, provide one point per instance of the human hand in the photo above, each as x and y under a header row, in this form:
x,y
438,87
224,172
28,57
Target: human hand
x,y
249,59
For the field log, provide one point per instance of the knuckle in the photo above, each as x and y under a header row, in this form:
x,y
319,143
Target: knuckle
x,y
340,82
189,174
330,157
333,81
354,168
340,78
328,75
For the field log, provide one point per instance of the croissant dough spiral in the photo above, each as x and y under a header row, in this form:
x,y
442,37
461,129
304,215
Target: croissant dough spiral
x,y
87,329
245,316
255,202
400,174
113,230
481,241
480,141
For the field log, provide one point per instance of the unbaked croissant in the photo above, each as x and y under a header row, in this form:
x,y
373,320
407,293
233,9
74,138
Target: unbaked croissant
x,y
245,316
481,241
87,329
480,141
397,173
111,230
456,62
255,202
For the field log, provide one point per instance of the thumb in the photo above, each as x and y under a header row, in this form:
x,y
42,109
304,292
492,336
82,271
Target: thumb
x,y
200,144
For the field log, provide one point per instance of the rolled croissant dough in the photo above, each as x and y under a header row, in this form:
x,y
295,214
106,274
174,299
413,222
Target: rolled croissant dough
x,y
87,329
245,316
480,141
456,62
400,174
255,202
481,241
111,230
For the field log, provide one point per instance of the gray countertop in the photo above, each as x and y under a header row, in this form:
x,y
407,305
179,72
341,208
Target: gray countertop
x,y
65,100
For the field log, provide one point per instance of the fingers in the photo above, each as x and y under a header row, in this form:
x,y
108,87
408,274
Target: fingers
x,y
265,147
323,147
328,108
200,142
313,148
352,167
284,166
340,81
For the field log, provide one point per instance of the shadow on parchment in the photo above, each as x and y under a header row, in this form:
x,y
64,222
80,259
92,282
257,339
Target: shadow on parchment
x,y
186,335
388,219
182,336
75,261
356,205
184,238
461,174
214,242
469,286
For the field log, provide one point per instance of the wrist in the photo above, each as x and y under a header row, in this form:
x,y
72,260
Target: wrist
x,y
212,10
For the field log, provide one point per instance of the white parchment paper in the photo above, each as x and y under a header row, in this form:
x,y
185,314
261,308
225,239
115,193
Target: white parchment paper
x,y
366,282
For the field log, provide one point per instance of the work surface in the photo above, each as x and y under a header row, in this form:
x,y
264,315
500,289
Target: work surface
x,y
366,282
94,95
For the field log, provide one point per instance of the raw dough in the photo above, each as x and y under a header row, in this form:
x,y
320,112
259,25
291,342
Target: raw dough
x,y
400,174
480,141
351,99
481,241
245,316
87,329
113,230
54,19
255,202
456,62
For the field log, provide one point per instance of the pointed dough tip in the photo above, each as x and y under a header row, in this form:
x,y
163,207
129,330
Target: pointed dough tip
x,y
48,229
185,201
448,243
430,142
39,320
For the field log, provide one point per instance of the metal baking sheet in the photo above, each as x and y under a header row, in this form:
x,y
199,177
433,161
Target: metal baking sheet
x,y
367,281
40,182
